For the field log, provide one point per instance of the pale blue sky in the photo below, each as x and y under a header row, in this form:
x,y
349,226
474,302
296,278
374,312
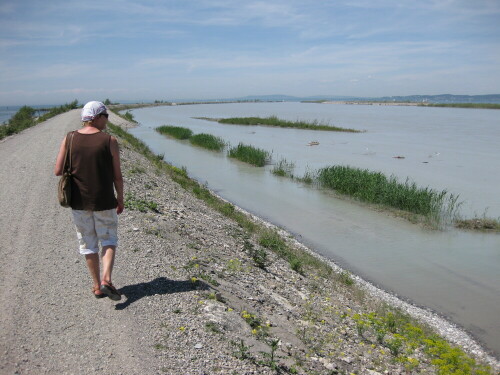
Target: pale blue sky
x,y
54,51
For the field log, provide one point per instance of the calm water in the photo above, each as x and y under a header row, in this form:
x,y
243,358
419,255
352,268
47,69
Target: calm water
x,y
454,273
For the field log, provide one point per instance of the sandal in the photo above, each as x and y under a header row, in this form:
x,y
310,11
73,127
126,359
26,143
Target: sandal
x,y
97,293
108,289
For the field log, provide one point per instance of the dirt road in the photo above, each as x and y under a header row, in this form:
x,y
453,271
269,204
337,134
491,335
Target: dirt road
x,y
49,323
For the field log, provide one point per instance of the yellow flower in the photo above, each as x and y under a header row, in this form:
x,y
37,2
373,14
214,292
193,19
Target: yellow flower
x,y
182,329
254,331
194,279
229,309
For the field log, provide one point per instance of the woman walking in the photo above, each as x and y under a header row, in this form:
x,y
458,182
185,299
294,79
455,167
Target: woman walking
x,y
96,174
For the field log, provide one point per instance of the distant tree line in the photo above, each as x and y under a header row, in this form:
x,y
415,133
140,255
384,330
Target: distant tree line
x,y
26,118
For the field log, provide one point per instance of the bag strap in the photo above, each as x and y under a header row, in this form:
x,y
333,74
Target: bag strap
x,y
68,152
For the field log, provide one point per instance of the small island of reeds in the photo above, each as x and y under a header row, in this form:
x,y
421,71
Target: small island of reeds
x,y
208,141
175,131
250,155
275,121
435,206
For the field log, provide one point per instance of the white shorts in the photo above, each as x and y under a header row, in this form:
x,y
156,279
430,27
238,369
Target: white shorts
x,y
93,227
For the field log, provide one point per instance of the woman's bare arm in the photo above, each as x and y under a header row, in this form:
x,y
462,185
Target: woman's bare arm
x,y
58,169
117,175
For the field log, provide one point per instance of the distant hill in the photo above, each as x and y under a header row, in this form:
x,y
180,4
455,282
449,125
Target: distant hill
x,y
442,99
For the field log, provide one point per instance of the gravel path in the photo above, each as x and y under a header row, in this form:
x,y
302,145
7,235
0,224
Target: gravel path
x,y
168,322
50,323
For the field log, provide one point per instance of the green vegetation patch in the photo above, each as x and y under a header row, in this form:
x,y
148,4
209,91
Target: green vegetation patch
x,y
175,131
480,224
375,187
208,141
398,333
133,203
250,155
275,121
25,118
284,168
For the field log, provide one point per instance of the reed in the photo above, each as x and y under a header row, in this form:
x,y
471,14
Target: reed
x,y
175,131
275,121
483,223
375,187
208,141
284,168
250,154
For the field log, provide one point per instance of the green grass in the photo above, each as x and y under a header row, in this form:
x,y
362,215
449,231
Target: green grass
x,y
283,168
58,110
375,187
175,131
250,155
275,121
142,205
24,118
128,116
403,336
208,141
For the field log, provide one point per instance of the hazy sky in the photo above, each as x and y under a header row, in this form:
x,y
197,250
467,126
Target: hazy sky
x,y
52,51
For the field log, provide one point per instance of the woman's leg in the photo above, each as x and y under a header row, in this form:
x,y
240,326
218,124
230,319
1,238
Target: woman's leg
x,y
108,260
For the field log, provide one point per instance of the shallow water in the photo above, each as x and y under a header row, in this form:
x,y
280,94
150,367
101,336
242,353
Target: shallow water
x,y
454,273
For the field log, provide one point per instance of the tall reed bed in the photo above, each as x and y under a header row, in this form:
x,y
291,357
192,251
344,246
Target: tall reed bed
x,y
275,121
208,141
175,131
250,154
375,187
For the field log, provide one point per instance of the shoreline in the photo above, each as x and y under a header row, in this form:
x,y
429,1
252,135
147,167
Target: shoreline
x,y
446,328
442,325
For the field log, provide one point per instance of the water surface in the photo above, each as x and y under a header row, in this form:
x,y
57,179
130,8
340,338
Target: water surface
x,y
452,272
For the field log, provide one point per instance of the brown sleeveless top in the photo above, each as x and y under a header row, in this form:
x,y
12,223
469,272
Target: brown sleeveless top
x,y
92,173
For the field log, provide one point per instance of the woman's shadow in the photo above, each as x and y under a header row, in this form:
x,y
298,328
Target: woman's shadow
x,y
160,285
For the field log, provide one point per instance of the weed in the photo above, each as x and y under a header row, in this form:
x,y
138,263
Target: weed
x,y
175,131
142,205
212,327
284,168
271,357
242,351
345,278
395,344
234,265
275,121
208,141
128,116
258,328
250,155
480,223
375,187
259,256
